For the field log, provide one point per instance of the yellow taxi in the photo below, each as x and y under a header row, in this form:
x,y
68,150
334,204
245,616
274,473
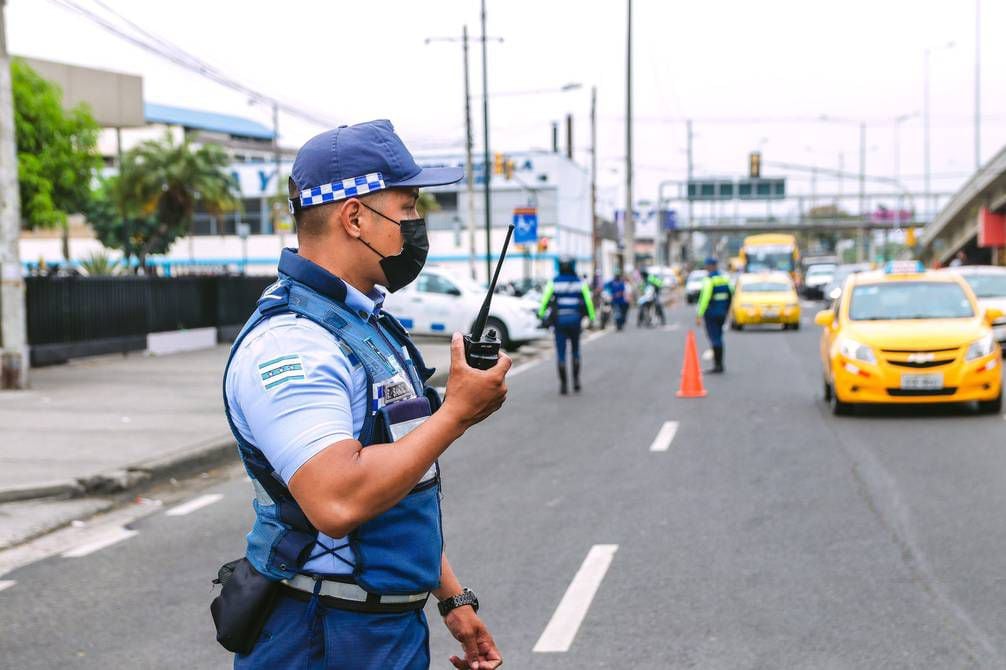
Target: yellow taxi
x,y
765,297
907,335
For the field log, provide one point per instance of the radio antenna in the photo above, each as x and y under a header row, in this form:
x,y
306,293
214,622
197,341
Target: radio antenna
x,y
480,320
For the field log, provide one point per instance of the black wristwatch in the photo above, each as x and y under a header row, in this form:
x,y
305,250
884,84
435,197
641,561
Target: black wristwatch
x,y
466,597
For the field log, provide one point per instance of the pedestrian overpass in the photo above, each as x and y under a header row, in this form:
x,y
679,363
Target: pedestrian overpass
x,y
961,226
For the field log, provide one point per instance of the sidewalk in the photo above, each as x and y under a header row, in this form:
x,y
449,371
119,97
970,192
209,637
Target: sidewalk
x,y
105,424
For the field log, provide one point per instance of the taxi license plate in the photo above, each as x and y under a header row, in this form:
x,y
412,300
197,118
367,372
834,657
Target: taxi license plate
x,y
770,312
930,382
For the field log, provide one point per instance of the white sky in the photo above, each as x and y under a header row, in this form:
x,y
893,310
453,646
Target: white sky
x,y
716,61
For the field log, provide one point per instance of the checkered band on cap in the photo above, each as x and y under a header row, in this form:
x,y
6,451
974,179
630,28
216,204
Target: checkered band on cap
x,y
340,190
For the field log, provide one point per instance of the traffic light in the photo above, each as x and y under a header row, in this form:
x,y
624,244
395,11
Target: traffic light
x,y
508,168
754,165
910,237
498,161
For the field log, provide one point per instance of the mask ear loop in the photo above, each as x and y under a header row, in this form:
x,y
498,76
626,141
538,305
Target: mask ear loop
x,y
367,244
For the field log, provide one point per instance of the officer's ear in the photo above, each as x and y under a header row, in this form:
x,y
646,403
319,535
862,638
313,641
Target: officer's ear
x,y
348,217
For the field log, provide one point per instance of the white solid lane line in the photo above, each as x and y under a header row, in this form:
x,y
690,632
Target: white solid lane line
x,y
565,622
106,539
662,441
194,504
6,583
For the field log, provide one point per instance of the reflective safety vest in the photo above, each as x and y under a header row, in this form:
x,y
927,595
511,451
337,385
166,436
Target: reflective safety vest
x,y
715,297
399,551
570,297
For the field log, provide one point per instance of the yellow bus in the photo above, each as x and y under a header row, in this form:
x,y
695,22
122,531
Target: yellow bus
x,y
771,252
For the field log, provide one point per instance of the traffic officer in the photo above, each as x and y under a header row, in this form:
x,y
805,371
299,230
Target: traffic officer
x,y
618,293
714,305
319,385
565,302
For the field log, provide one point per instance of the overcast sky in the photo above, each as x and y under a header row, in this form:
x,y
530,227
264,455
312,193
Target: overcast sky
x,y
750,74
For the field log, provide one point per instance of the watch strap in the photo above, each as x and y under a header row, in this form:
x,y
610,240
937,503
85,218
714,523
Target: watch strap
x,y
466,597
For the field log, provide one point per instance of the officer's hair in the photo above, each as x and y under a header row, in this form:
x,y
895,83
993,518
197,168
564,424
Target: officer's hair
x,y
311,221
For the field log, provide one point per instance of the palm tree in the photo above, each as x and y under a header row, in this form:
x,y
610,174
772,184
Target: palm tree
x,y
163,180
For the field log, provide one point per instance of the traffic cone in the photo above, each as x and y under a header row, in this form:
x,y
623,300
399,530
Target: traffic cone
x,y
691,375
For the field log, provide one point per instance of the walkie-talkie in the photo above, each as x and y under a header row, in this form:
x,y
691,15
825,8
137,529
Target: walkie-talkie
x,y
481,352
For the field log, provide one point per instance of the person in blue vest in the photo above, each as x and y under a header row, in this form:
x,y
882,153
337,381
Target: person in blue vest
x,y
713,308
327,398
618,292
565,302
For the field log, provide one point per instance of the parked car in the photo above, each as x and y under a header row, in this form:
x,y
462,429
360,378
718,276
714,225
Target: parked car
x,y
693,285
440,303
816,278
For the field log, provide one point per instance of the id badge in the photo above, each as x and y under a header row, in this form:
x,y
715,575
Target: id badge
x,y
401,418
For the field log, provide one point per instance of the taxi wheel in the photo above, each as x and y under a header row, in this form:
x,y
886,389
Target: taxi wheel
x,y
838,407
991,406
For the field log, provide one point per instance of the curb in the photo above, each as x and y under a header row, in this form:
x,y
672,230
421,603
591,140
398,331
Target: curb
x,y
200,456
65,488
208,453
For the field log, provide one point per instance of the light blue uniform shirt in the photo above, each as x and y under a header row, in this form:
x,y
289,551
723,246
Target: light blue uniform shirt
x,y
296,413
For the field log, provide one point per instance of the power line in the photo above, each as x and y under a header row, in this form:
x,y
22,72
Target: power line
x,y
174,54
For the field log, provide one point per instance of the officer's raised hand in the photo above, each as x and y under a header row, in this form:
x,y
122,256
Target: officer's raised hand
x,y
472,395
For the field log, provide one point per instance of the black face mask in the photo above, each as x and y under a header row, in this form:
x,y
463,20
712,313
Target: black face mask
x,y
402,269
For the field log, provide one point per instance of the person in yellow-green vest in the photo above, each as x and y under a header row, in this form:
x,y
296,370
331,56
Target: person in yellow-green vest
x,y
714,306
564,304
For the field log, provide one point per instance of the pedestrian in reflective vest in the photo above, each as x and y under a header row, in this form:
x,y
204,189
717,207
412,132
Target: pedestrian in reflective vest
x,y
327,399
714,306
565,302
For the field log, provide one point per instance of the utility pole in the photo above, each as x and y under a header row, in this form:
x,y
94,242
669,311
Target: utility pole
x,y
13,332
469,168
281,188
687,249
630,226
594,242
925,125
978,79
861,253
485,147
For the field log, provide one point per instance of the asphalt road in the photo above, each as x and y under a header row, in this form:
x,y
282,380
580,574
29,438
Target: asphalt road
x,y
768,534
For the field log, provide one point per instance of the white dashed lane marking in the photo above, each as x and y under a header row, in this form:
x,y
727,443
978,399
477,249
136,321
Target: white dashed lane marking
x,y
565,622
194,504
662,441
106,539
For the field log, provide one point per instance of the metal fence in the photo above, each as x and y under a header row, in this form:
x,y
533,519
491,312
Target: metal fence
x,y
79,316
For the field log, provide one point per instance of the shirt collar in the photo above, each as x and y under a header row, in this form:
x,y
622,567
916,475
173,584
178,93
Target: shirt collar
x,y
321,280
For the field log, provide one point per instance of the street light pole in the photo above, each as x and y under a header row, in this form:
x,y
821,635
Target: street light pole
x,y
630,226
485,147
13,331
927,190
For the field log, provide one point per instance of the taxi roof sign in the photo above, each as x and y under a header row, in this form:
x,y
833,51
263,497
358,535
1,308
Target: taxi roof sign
x,y
904,267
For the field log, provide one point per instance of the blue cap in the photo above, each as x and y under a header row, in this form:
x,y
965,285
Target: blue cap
x,y
711,260
350,161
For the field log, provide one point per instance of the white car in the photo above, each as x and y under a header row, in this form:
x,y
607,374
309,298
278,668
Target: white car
x,y
440,303
989,284
693,285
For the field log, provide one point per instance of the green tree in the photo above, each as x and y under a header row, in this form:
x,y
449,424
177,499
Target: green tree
x,y
152,202
56,152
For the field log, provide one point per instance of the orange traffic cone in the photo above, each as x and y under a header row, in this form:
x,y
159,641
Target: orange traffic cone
x,y
691,375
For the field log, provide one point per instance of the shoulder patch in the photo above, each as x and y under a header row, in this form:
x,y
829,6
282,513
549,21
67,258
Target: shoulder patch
x,y
280,370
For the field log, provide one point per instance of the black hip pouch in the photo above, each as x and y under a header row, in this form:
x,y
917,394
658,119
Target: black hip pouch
x,y
244,604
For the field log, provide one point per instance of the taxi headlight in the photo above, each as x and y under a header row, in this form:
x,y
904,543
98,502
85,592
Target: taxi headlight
x,y
856,351
981,347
